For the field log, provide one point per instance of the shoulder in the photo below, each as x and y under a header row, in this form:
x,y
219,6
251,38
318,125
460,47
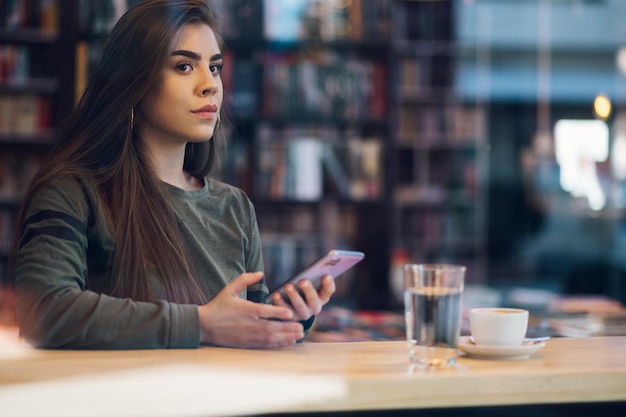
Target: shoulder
x,y
222,190
63,193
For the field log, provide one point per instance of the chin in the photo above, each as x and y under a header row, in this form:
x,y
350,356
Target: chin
x,y
198,138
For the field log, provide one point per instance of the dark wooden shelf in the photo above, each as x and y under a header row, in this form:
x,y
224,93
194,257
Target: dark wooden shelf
x,y
264,203
43,139
46,86
28,36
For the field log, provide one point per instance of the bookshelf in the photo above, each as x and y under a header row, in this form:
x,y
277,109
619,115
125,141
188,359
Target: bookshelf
x,y
439,142
35,52
309,144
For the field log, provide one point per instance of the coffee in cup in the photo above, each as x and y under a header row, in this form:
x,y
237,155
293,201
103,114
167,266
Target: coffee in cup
x,y
498,326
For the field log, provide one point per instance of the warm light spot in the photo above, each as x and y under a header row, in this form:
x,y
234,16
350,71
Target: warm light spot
x,y
602,107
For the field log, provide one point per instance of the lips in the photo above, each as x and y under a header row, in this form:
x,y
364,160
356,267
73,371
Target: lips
x,y
207,112
209,108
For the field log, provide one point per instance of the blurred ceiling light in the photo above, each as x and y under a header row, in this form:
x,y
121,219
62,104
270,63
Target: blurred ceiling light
x,y
602,106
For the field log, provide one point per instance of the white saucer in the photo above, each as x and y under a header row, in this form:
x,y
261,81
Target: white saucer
x,y
499,352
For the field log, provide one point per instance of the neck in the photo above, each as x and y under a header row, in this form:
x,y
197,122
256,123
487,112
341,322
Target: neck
x,y
169,168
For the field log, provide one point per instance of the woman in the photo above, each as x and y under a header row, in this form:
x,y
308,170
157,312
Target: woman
x,y
124,240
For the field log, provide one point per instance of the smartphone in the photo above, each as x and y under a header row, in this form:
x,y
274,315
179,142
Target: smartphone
x,y
335,262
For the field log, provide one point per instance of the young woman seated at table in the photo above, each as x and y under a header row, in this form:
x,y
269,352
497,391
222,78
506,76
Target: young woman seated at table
x,y
125,241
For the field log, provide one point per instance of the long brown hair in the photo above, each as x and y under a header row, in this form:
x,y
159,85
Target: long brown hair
x,y
97,143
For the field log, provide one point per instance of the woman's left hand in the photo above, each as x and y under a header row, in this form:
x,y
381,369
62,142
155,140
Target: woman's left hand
x,y
307,301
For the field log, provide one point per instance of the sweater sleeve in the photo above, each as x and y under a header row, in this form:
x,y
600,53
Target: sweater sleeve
x,y
55,308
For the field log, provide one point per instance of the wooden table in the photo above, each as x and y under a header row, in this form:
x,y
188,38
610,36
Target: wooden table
x,y
378,375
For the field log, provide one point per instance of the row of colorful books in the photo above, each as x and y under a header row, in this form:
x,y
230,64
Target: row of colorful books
x,y
24,115
440,226
328,20
444,181
325,85
308,164
29,14
276,20
424,75
14,64
449,124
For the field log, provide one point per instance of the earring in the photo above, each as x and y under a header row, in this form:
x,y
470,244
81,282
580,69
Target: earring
x,y
132,120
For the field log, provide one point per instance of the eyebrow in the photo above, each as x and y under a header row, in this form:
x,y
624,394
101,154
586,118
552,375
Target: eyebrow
x,y
195,56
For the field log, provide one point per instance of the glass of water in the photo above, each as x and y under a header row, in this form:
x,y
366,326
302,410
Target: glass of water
x,y
432,307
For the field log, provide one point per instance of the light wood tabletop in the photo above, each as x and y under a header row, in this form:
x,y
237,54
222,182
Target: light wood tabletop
x,y
378,374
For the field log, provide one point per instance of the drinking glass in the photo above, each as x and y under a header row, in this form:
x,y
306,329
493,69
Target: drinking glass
x,y
432,306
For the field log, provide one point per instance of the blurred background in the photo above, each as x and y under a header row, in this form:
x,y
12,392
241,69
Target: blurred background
x,y
489,133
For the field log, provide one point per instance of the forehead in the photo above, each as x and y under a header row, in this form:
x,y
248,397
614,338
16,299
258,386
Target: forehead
x,y
197,37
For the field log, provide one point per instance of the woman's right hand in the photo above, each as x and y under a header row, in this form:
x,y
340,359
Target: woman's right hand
x,y
228,320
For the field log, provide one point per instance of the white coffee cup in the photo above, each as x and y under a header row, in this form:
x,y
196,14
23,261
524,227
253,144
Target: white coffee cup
x,y
498,326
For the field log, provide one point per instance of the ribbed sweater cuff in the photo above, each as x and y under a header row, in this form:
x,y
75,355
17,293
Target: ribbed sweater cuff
x,y
184,326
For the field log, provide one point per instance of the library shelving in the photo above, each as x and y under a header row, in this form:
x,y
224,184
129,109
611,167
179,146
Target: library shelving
x,y
310,115
35,55
439,145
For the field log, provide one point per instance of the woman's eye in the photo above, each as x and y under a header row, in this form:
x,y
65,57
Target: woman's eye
x,y
183,67
216,68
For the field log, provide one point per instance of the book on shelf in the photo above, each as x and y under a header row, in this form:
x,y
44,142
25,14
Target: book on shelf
x,y
336,172
49,15
82,68
465,124
14,64
412,74
99,17
239,19
304,160
435,125
365,165
24,115
379,99
323,85
291,164
328,20
355,15
6,113
40,15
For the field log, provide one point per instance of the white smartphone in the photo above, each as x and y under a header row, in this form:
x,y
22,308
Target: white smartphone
x,y
335,262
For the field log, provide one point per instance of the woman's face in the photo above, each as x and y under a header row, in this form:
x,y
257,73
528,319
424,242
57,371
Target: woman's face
x,y
186,107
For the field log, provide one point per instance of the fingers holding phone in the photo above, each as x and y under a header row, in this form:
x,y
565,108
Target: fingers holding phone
x,y
304,298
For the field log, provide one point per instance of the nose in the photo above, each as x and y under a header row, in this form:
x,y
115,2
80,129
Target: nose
x,y
208,85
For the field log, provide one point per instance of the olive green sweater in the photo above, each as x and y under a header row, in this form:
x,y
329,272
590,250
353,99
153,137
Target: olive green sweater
x,y
63,267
